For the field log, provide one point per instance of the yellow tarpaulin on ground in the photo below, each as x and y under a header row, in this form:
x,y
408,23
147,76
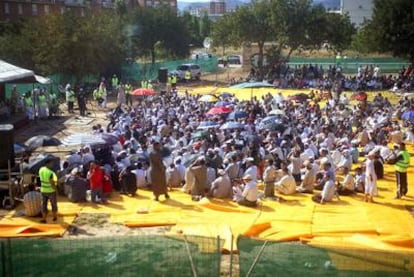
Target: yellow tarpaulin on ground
x,y
15,225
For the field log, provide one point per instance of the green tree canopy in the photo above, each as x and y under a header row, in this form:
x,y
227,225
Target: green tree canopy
x,y
287,24
222,32
391,28
66,43
160,26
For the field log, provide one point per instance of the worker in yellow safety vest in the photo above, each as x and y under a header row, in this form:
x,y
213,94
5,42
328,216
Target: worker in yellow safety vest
x,y
28,105
48,188
144,84
70,98
128,91
42,105
114,82
187,76
103,94
174,81
53,104
401,166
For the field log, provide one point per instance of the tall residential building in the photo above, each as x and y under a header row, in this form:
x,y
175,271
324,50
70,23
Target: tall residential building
x,y
156,3
14,9
217,9
358,10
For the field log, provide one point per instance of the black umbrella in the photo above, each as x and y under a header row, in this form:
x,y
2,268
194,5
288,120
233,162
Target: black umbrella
x,y
41,140
36,163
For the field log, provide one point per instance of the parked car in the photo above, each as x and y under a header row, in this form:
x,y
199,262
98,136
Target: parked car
x,y
231,60
234,59
194,69
201,56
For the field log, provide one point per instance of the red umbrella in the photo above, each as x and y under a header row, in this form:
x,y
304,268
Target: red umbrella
x,y
143,92
360,96
219,110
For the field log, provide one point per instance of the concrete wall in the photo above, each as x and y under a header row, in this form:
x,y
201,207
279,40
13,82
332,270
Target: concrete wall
x,y
358,10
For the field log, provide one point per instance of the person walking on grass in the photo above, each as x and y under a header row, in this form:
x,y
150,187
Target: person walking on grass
x,y
48,188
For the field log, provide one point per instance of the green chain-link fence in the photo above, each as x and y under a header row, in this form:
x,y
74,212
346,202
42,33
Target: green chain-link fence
x,y
350,65
263,258
153,255
122,256
147,71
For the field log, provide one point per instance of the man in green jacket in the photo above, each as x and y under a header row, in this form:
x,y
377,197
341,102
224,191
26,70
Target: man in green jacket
x,y
401,166
70,98
48,188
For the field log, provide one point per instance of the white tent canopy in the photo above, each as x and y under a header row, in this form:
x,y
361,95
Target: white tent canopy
x,y
43,80
9,72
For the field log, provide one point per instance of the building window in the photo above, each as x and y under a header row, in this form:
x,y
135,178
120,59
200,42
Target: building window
x,y
6,8
34,9
46,9
20,9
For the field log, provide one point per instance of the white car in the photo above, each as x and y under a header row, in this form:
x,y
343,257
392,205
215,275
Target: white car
x,y
194,69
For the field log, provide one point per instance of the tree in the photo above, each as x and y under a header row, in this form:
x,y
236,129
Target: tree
x,y
287,24
72,45
310,26
15,46
338,31
361,41
66,44
160,26
254,26
205,26
392,27
297,16
222,32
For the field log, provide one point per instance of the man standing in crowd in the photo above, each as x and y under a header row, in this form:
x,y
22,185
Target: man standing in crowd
x,y
114,82
70,98
401,166
48,188
157,172
128,91
29,106
82,102
95,176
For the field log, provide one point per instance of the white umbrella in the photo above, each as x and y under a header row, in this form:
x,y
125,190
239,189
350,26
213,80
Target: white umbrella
x,y
276,112
232,125
89,139
207,125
